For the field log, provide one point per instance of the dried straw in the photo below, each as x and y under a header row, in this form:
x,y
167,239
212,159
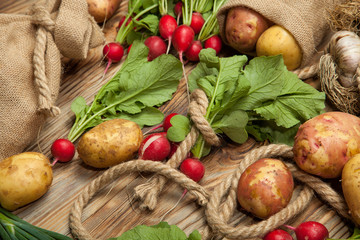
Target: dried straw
x,y
345,16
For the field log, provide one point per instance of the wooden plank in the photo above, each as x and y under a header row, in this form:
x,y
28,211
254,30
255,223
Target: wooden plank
x,y
112,211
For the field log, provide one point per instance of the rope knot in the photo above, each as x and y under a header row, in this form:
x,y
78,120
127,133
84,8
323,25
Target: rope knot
x,y
42,17
197,110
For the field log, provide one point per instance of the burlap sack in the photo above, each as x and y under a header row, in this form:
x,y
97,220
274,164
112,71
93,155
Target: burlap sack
x,y
305,19
31,47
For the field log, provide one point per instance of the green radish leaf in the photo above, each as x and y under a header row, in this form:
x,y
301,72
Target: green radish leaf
x,y
293,103
195,235
137,85
162,231
149,22
78,106
179,129
233,125
149,116
133,36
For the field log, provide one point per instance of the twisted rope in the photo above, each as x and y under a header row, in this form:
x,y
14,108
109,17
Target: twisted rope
x,y
41,18
308,71
148,192
113,173
222,202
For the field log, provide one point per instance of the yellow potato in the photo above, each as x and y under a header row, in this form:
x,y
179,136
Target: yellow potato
x,y
110,143
277,40
102,10
25,177
351,186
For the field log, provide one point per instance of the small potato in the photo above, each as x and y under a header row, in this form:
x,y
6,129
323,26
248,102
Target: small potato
x,y
277,40
351,186
102,10
326,142
25,177
265,187
110,143
243,27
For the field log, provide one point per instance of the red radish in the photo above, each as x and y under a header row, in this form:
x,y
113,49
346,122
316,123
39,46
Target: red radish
x,y
122,20
278,234
156,47
193,168
310,230
155,147
167,26
128,50
62,150
192,53
178,9
214,42
113,52
197,22
182,38
166,123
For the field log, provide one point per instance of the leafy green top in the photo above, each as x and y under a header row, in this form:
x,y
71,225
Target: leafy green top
x,y
132,93
161,231
262,98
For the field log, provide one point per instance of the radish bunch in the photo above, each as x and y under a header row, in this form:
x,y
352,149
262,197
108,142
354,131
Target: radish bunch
x,y
309,230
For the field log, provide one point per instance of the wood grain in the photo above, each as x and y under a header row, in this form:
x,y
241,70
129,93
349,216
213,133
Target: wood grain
x,y
113,210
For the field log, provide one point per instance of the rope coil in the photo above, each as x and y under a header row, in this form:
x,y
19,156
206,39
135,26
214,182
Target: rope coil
x,y
221,203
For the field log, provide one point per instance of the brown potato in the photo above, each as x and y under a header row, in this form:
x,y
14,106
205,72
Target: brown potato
x,y
277,40
243,27
265,187
326,142
351,186
102,10
25,177
110,143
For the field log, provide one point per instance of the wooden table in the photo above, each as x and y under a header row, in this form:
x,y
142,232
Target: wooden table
x,y
112,211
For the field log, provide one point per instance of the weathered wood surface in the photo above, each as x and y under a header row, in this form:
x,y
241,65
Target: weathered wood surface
x,y
112,211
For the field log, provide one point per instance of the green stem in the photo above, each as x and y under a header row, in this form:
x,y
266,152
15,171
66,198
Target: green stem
x,y
198,150
21,234
163,8
38,232
3,233
125,29
187,11
9,228
200,5
211,22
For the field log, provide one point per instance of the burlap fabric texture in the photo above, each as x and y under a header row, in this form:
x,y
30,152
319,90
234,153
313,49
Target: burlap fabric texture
x,y
306,20
31,47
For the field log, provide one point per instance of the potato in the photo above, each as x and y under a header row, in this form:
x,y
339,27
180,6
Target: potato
x,y
326,142
102,10
110,143
265,187
277,40
243,27
25,177
351,186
